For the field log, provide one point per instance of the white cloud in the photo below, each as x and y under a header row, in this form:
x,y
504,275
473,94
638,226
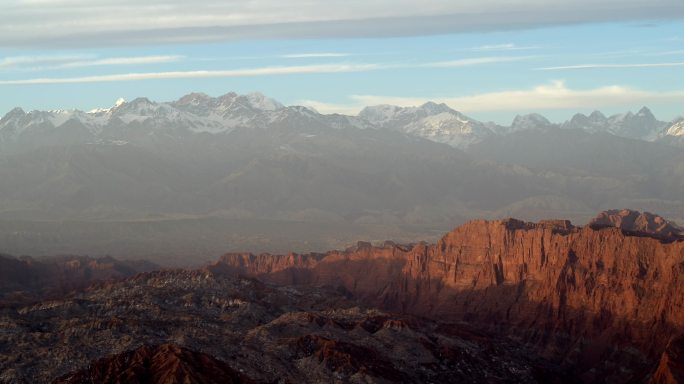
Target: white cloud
x,y
122,61
259,71
505,47
476,61
554,96
313,55
78,61
611,66
246,72
110,22
21,61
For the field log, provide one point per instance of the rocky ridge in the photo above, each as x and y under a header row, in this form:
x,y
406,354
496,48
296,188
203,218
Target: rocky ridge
x,y
584,296
181,326
496,301
163,364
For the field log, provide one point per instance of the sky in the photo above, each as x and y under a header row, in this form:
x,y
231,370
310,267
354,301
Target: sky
x,y
490,59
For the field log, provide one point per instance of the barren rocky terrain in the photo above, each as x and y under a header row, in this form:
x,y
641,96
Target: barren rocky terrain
x,y
492,301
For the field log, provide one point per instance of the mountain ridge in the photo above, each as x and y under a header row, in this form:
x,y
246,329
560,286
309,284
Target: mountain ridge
x,y
198,112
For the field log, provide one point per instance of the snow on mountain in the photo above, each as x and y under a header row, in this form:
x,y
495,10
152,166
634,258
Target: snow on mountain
x,y
529,121
199,113
193,113
436,122
259,101
642,125
676,129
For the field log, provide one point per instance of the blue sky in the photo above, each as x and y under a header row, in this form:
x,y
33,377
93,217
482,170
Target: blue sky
x,y
488,64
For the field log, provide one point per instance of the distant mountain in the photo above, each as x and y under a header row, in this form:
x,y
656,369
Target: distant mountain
x,y
642,125
203,174
436,122
676,129
533,121
638,222
674,134
199,113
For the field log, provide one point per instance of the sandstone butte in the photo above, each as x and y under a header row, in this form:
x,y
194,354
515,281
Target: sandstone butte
x,y
578,294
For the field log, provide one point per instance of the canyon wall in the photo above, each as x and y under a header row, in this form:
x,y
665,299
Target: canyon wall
x,y
581,295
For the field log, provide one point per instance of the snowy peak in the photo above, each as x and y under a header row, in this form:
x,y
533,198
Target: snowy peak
x,y
530,121
436,122
201,113
12,118
676,129
597,116
13,114
643,125
595,122
434,108
645,113
259,101
194,99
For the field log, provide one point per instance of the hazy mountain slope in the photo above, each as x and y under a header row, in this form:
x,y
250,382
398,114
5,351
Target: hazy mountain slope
x,y
642,125
173,170
433,121
597,168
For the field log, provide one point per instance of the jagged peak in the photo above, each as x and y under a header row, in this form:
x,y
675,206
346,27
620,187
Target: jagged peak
x,y
14,113
536,117
597,115
141,100
578,117
645,112
262,102
435,108
228,96
193,98
676,128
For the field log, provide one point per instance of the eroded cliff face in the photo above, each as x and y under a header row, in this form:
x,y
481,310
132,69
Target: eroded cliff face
x,y
671,367
582,295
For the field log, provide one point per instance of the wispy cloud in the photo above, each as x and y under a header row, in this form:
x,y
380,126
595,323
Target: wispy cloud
x,y
476,61
313,55
21,61
610,66
261,71
504,47
122,61
79,61
553,96
247,72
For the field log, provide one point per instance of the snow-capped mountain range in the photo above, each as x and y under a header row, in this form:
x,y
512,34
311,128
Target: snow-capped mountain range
x,y
200,113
